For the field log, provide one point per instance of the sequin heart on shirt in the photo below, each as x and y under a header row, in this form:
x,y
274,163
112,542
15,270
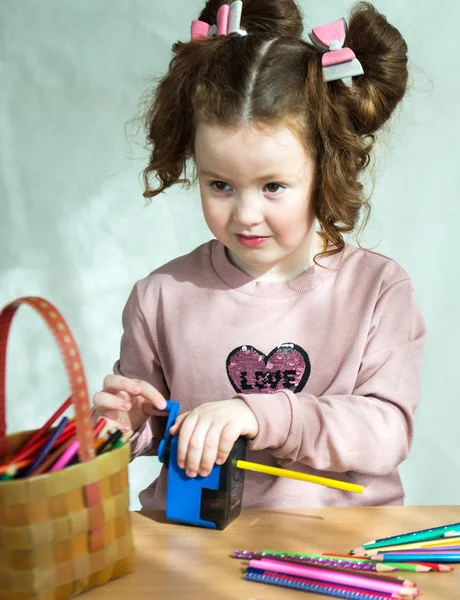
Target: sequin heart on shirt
x,y
252,372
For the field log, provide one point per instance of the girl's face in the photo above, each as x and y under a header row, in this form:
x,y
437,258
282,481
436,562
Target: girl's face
x,y
256,195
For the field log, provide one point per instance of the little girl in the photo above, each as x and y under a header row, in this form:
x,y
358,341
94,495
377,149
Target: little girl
x,y
277,329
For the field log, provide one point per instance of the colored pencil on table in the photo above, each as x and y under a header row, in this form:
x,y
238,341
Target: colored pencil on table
x,y
445,557
416,536
437,549
344,561
397,566
434,566
444,542
402,588
314,585
317,560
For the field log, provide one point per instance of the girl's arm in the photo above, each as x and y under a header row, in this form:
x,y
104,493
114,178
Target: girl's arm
x,y
370,430
139,361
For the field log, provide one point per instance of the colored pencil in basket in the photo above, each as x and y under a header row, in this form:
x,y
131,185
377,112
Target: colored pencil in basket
x,y
20,465
108,443
52,458
415,536
32,451
97,430
118,444
44,429
66,457
47,447
9,473
359,581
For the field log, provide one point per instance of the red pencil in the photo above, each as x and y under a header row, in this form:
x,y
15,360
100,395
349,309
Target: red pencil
x,y
38,434
434,566
69,431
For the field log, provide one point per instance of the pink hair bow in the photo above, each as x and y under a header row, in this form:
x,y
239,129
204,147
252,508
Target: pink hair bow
x,y
228,22
338,62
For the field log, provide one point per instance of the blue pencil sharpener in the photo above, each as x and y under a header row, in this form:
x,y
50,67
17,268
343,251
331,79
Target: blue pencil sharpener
x,y
213,501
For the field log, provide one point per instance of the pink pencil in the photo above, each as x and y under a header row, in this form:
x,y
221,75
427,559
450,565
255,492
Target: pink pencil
x,y
335,577
66,456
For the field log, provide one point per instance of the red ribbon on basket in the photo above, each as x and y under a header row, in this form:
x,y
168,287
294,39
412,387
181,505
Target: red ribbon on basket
x,y
73,365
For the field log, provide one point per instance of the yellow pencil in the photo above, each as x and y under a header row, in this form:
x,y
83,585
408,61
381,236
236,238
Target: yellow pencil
x,y
333,483
444,542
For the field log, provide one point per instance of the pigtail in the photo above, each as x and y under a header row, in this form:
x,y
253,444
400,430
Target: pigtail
x,y
346,119
169,123
382,51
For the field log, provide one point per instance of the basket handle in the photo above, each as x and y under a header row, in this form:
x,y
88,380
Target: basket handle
x,y
72,362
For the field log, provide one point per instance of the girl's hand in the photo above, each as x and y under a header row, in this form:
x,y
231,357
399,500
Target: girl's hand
x,y
128,403
208,432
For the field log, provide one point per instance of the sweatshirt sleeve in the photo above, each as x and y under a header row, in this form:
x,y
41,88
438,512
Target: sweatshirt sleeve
x,y
369,431
138,360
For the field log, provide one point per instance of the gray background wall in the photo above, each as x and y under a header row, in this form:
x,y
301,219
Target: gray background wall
x,y
74,227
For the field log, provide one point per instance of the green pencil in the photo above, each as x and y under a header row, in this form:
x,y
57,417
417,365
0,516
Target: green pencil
x,y
421,535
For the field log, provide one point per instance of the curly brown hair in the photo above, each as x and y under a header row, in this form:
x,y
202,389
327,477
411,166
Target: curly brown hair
x,y
273,77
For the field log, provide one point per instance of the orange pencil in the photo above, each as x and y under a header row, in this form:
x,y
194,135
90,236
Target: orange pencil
x,y
19,465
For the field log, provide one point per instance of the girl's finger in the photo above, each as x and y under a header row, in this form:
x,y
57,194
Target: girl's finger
x,y
186,431
150,410
151,394
229,434
210,449
195,447
174,429
118,383
115,418
106,401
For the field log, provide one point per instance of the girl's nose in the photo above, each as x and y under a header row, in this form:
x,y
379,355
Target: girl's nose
x,y
247,212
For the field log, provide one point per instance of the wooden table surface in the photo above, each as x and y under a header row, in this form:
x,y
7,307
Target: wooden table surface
x,y
177,561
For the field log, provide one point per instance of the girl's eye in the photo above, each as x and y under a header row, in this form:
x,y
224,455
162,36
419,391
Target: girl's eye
x,y
274,188
220,186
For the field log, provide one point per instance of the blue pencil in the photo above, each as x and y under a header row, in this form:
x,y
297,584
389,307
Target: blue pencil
x,y
312,585
437,557
46,448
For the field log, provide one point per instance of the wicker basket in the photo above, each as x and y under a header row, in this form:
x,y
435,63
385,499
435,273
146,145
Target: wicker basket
x,y
62,533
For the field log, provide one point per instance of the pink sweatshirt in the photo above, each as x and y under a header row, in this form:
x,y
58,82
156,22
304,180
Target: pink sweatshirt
x,y
328,362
